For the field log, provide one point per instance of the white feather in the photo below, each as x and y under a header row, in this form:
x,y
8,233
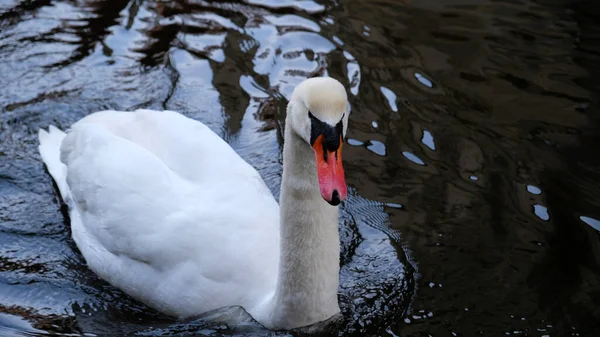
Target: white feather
x,y
165,210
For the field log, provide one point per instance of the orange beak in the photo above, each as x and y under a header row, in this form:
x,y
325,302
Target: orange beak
x,y
332,182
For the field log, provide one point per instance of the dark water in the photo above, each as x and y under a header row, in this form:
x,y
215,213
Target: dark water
x,y
473,151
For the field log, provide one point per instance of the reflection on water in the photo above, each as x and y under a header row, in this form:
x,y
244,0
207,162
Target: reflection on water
x,y
413,158
424,80
391,97
591,221
534,190
541,212
475,175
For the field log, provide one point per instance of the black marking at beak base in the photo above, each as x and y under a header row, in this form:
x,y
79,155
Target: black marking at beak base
x,y
332,135
335,198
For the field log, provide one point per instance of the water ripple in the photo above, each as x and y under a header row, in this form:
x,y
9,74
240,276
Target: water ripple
x,y
594,223
413,158
496,98
427,139
391,97
541,212
534,190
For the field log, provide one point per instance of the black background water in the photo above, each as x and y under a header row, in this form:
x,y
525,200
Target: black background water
x,y
474,135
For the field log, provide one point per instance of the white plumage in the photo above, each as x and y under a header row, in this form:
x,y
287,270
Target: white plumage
x,y
164,209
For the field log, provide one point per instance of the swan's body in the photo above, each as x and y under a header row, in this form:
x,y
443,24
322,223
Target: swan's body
x,y
164,209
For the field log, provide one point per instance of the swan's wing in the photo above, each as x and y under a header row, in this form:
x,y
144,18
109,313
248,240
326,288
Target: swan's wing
x,y
187,147
134,207
121,191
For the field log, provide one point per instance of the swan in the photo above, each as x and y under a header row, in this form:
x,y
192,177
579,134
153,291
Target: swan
x,y
164,209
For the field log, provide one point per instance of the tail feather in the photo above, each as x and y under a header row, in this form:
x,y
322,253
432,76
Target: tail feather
x,y
50,142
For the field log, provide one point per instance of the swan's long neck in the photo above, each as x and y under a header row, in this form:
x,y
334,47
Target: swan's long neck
x,y
309,264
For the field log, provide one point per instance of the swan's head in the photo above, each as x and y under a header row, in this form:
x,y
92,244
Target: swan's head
x,y
318,113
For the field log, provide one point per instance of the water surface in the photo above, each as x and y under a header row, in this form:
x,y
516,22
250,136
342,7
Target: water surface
x,y
472,151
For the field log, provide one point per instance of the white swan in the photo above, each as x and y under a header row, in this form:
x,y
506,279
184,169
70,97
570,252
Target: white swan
x,y
165,210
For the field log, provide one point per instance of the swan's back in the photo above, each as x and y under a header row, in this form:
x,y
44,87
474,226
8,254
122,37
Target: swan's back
x,y
164,209
187,146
